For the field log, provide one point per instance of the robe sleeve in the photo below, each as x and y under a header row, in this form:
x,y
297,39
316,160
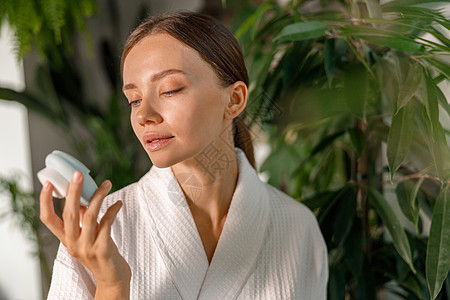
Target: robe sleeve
x,y
70,279
321,262
323,275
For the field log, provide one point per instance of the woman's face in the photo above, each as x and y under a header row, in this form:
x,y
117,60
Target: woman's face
x,y
177,102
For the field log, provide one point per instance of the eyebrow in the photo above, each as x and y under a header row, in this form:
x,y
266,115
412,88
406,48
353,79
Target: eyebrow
x,y
156,77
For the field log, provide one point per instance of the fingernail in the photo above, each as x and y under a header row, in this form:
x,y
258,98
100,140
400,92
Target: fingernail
x,y
76,177
106,184
46,185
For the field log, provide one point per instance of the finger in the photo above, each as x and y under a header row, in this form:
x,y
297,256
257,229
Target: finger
x,y
71,212
82,211
107,220
99,195
90,215
47,212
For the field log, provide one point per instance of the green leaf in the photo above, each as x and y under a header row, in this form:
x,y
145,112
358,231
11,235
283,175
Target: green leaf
x,y
443,101
400,136
344,213
440,152
440,66
53,11
319,199
336,284
438,250
388,81
328,208
411,284
410,2
434,139
258,71
308,106
325,169
396,42
252,22
302,31
329,59
430,99
374,8
278,172
444,22
437,34
358,140
390,220
410,84
335,256
365,284
407,199
381,37
326,141
438,143
353,246
447,285
355,90
361,59
336,216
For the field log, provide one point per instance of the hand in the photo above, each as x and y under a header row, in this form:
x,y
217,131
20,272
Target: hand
x,y
90,244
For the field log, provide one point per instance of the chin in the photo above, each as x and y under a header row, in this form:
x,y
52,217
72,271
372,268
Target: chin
x,y
166,159
161,162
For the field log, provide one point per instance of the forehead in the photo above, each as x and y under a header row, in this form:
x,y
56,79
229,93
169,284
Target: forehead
x,y
159,52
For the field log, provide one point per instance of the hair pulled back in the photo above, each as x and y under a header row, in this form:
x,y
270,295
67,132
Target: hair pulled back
x,y
215,44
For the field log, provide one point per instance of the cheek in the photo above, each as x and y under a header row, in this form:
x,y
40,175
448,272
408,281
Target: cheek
x,y
134,125
208,123
191,123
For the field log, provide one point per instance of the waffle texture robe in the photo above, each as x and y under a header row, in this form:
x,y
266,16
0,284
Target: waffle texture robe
x,y
270,247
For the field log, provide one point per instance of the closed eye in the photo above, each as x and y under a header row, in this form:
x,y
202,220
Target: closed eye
x,y
134,103
171,93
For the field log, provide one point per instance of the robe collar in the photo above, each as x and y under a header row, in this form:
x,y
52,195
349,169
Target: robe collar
x,y
176,236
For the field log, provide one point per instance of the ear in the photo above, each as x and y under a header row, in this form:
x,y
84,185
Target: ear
x,y
237,100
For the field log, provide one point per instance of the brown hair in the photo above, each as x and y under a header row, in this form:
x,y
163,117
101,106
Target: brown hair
x,y
215,44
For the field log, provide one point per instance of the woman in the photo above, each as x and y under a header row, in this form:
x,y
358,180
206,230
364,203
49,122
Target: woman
x,y
200,224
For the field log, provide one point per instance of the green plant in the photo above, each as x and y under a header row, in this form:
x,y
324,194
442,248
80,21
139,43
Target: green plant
x,y
44,23
362,131
98,130
23,211
100,137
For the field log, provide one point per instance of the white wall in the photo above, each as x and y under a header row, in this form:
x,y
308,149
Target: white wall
x,y
19,270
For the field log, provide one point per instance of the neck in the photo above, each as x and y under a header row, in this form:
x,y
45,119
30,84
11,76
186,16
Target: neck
x,y
208,181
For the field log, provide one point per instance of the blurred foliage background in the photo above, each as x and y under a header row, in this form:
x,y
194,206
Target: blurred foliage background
x,y
359,134
97,130
348,95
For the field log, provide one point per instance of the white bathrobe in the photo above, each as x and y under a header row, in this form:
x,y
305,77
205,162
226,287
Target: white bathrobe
x,y
270,246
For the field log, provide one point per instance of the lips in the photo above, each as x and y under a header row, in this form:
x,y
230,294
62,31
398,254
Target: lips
x,y
155,141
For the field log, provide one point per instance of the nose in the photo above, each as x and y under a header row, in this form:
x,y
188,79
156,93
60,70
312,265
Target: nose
x,y
148,114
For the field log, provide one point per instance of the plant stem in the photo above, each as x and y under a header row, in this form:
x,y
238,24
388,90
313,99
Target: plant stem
x,y
363,165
